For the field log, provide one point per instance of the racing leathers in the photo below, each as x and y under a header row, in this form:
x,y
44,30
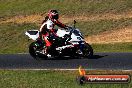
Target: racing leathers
x,y
47,29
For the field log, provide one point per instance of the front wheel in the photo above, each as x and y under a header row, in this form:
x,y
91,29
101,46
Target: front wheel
x,y
87,51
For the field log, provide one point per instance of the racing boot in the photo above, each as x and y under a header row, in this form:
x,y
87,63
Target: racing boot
x,y
48,51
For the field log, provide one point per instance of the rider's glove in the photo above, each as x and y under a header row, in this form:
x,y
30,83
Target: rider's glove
x,y
67,28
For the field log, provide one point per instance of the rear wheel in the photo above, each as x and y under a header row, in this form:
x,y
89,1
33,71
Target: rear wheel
x,y
33,52
87,51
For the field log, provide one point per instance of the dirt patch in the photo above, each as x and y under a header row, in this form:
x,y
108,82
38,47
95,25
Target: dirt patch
x,y
113,36
24,19
37,18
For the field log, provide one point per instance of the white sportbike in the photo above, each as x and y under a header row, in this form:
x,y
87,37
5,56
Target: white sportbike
x,y
69,43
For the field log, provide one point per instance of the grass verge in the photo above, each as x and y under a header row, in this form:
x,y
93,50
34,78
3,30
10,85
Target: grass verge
x,y
66,7
13,39
96,27
115,47
52,79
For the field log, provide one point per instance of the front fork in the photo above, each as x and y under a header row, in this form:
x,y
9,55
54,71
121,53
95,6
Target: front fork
x,y
81,46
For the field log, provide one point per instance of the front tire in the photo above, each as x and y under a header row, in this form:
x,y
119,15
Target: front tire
x,y
87,51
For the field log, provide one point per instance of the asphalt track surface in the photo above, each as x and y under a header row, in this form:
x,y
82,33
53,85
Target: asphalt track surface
x,y
100,61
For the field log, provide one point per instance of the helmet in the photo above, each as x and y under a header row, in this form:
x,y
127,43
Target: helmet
x,y
53,14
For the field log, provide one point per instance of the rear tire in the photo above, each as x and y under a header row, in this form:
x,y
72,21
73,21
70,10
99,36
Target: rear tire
x,y
32,50
87,51
34,54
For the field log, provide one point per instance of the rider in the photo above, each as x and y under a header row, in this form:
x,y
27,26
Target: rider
x,y
47,27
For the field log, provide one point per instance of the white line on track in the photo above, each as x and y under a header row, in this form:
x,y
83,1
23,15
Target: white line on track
x,y
66,69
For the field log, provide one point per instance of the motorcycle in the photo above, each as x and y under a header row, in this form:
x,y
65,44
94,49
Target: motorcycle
x,y
70,43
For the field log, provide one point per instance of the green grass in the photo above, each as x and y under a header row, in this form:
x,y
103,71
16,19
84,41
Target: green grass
x,y
95,27
52,79
13,39
115,47
66,7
